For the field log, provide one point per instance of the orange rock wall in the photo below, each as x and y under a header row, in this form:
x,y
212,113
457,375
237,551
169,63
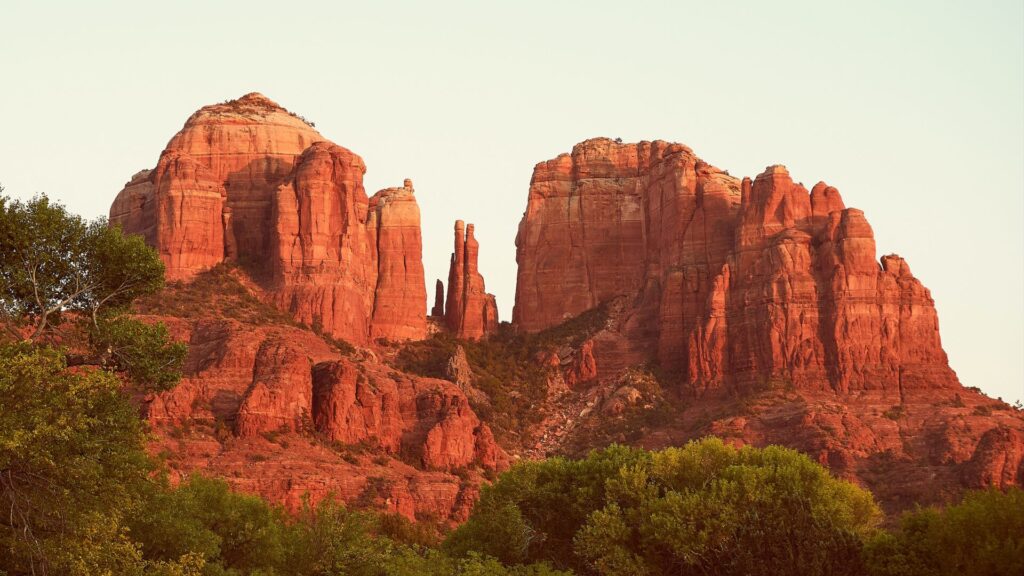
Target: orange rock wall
x,y
735,284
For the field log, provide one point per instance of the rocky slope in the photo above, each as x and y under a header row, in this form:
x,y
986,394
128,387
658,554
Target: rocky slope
x,y
280,411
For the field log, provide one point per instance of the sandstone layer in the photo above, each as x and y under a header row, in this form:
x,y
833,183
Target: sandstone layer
x,y
247,181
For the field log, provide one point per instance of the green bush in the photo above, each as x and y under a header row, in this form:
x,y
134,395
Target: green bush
x,y
533,511
703,508
711,508
981,536
71,467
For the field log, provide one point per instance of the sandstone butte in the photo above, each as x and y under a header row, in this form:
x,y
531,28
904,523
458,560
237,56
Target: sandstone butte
x,y
277,409
246,181
762,302
741,288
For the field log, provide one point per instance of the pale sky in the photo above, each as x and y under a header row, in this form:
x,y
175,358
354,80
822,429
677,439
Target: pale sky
x,y
914,110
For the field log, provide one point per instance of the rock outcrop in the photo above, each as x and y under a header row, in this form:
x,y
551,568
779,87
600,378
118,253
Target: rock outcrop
x,y
438,309
470,311
428,421
400,299
275,409
229,155
735,284
247,181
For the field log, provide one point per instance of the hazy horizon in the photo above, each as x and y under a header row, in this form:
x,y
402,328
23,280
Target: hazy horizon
x,y
915,112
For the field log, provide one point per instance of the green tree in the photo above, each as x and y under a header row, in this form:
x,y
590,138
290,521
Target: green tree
x,y
330,539
703,508
54,264
231,532
145,353
711,508
534,510
71,467
981,536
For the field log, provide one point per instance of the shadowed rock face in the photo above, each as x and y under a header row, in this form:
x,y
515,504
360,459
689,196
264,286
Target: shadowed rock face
x,y
733,283
248,181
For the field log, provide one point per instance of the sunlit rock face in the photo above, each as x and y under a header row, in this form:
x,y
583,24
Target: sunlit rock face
x,y
733,283
247,181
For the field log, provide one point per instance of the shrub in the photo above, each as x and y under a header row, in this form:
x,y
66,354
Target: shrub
x,y
981,536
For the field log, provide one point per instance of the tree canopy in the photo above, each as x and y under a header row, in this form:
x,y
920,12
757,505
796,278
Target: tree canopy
x,y
71,466
54,264
703,507
981,536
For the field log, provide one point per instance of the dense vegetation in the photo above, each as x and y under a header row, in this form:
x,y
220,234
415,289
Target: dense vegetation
x,y
703,508
79,496
982,535
58,269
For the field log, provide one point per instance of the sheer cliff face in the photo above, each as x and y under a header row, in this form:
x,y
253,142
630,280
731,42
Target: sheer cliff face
x,y
248,181
735,284
400,300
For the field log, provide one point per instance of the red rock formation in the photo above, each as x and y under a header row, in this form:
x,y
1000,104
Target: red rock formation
x,y
758,290
276,410
807,302
279,398
438,309
191,201
425,418
735,284
233,154
322,252
998,459
133,208
248,181
647,221
471,312
582,366
400,300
